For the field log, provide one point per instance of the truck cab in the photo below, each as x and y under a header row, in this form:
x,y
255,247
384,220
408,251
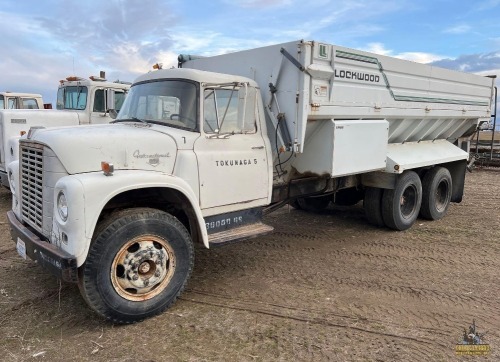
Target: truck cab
x,y
90,97
188,148
11,100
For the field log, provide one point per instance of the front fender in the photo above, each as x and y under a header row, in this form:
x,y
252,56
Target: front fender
x,y
88,193
13,177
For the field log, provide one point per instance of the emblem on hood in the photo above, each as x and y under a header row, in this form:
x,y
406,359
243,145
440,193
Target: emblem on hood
x,y
152,159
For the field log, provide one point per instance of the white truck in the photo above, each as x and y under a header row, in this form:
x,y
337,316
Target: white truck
x,y
83,101
199,154
14,100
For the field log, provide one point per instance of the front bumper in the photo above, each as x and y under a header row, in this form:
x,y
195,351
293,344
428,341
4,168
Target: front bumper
x,y
50,257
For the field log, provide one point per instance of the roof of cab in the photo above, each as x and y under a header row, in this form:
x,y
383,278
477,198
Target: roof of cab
x,y
16,94
195,75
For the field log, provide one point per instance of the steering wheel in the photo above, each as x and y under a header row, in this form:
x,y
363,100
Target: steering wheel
x,y
178,117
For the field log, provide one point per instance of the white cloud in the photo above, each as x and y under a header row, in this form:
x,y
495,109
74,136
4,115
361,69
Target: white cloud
x,y
458,29
377,48
258,3
419,57
115,36
487,5
474,63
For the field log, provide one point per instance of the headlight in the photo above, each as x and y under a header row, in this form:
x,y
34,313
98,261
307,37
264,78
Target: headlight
x,y
11,182
62,206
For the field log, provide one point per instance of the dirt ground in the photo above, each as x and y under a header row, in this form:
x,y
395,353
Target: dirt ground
x,y
321,287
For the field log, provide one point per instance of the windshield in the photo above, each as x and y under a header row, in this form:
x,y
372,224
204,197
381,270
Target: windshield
x,y
74,97
169,102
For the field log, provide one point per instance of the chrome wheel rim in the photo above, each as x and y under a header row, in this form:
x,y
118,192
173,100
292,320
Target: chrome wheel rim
x,y
142,268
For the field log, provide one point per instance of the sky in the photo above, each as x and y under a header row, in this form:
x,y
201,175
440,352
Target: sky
x,y
44,41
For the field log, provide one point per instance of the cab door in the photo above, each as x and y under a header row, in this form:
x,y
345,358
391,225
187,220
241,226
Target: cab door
x,y
232,155
99,112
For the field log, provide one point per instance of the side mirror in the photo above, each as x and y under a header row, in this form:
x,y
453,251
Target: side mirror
x,y
110,101
113,113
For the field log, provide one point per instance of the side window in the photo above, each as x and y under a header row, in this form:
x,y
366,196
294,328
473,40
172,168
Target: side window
x,y
2,102
230,110
99,101
29,103
119,99
12,103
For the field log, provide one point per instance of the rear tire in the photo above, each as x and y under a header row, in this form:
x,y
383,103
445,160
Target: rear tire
x,y
373,206
348,197
436,190
401,205
314,204
295,204
137,265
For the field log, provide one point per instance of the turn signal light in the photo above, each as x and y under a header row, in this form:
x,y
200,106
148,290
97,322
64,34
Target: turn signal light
x,y
107,168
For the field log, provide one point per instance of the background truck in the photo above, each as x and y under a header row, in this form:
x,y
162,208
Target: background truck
x,y
12,100
198,156
84,101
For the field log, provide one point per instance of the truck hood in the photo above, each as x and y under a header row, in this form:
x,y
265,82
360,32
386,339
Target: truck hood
x,y
83,148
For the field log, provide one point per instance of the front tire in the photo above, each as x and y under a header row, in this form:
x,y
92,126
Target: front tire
x,y
137,265
436,188
401,205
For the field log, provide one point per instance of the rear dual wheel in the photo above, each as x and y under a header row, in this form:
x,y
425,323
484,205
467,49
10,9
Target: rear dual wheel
x,y
373,206
401,205
312,203
437,189
395,208
348,197
399,208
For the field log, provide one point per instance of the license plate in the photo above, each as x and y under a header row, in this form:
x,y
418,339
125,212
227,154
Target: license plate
x,y
21,248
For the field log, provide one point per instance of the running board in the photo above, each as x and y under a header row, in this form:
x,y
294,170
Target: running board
x,y
240,233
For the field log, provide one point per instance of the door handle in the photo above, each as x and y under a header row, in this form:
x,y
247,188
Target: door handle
x,y
257,147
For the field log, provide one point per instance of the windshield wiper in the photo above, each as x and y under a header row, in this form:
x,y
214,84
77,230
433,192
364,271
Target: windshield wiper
x,y
131,119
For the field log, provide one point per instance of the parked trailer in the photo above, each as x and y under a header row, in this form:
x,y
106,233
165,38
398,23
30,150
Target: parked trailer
x,y
199,154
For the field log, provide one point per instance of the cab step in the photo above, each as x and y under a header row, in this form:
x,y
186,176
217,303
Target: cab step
x,y
240,233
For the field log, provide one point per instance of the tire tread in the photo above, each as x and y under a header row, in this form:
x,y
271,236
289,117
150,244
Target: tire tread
x,y
112,225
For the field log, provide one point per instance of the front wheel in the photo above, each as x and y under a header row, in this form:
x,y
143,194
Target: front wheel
x,y
137,265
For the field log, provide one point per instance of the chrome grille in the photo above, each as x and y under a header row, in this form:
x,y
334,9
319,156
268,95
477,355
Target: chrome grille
x,y
31,164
